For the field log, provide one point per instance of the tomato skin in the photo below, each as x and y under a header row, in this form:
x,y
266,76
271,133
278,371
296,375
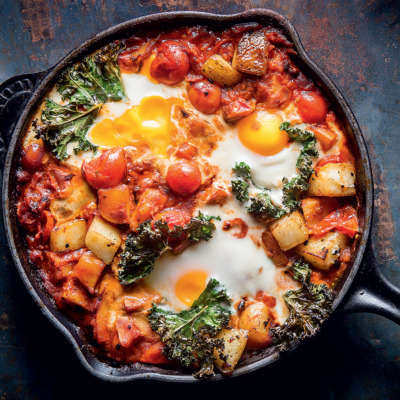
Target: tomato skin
x,y
269,301
32,157
171,63
184,177
344,220
105,171
187,151
205,96
312,107
173,218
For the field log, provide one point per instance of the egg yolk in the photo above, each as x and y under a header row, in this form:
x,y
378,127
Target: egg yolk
x,y
145,70
189,286
148,123
260,133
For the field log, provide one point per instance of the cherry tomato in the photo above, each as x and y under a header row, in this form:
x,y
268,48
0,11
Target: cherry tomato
x,y
184,177
187,151
33,157
173,218
105,171
205,96
312,107
171,63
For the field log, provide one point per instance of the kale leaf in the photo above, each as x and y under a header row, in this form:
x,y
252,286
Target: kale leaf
x,y
190,335
94,80
308,307
84,88
299,183
63,125
262,204
152,239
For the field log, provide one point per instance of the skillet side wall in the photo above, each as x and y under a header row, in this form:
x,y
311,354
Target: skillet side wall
x,y
15,237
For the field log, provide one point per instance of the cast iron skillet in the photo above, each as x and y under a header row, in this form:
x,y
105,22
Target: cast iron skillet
x,y
20,97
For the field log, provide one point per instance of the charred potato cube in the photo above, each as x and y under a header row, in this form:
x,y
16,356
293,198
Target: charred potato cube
x,y
290,230
251,54
234,344
323,252
68,236
103,240
220,71
333,180
255,319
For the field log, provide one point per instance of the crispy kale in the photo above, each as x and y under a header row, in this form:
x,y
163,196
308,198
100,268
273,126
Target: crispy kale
x,y
299,183
66,124
308,307
152,239
190,335
261,203
84,88
94,80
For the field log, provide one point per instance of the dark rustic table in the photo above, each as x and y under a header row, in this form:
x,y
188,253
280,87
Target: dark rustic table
x,y
355,357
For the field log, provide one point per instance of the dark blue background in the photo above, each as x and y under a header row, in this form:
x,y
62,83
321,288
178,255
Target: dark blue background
x,y
355,357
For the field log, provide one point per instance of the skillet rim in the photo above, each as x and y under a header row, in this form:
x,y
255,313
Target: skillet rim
x,y
83,352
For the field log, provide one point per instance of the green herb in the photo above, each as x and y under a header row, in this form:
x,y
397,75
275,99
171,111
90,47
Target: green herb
x,y
84,88
66,124
308,307
152,239
190,335
299,183
94,80
262,204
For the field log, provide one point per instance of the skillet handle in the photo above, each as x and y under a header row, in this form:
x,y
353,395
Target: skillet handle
x,y
372,292
14,95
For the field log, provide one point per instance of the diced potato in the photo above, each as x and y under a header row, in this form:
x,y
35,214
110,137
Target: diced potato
x,y
103,240
234,344
323,252
273,249
290,230
88,271
333,180
115,204
68,236
315,209
66,209
74,294
255,319
251,54
325,137
220,71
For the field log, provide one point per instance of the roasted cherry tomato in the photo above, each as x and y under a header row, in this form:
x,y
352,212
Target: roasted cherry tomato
x,y
184,177
105,171
171,63
173,218
312,107
32,157
205,96
187,151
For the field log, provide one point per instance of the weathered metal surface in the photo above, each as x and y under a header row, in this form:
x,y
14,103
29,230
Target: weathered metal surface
x,y
357,45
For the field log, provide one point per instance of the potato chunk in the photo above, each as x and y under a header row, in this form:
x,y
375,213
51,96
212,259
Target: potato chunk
x,y
103,240
290,230
234,344
115,204
333,180
66,209
251,55
88,271
220,71
68,236
323,252
255,319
